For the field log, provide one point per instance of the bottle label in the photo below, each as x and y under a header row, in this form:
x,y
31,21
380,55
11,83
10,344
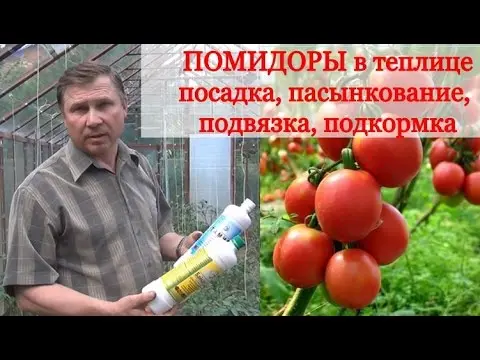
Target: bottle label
x,y
223,228
190,275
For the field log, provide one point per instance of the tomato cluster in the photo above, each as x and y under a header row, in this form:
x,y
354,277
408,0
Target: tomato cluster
x,y
456,169
345,232
357,232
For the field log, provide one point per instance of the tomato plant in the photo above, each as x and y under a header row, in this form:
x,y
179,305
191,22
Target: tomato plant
x,y
343,231
301,255
455,162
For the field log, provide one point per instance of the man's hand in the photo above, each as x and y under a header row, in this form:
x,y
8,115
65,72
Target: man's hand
x,y
173,245
133,305
170,312
190,240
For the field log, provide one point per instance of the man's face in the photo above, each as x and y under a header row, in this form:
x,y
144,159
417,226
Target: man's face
x,y
94,115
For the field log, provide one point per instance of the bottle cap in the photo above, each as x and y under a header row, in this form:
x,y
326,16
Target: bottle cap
x,y
248,205
238,242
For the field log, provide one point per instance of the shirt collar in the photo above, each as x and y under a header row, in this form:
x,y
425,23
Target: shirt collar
x,y
79,161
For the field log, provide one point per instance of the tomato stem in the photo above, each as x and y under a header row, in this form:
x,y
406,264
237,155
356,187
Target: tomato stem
x,y
315,175
348,159
313,222
331,166
403,194
427,215
299,302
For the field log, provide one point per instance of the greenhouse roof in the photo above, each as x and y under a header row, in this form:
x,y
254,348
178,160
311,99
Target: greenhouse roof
x,y
29,72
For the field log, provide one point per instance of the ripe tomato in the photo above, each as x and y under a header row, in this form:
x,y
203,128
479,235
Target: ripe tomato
x,y
332,147
393,162
263,164
448,178
310,149
274,141
401,79
300,199
294,147
390,240
301,255
474,144
441,151
353,278
283,155
471,188
268,198
348,204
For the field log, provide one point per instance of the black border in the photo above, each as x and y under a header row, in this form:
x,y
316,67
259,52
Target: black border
x,y
269,23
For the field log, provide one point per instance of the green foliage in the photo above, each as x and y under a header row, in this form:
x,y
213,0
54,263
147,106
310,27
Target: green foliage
x,y
438,275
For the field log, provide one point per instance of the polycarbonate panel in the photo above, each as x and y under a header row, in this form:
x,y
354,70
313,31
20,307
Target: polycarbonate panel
x,y
22,62
45,79
27,118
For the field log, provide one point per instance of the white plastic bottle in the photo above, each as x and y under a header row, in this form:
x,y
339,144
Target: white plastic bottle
x,y
233,221
191,275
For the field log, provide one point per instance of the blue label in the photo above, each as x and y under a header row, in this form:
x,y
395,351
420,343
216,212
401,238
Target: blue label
x,y
223,228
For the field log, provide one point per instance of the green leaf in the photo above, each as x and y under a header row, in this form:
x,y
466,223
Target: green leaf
x,y
274,284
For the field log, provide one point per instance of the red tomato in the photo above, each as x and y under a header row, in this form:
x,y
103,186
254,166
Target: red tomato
x,y
310,149
393,162
389,241
473,144
471,188
300,199
348,204
263,166
332,147
301,255
353,278
404,80
294,147
441,151
448,178
274,141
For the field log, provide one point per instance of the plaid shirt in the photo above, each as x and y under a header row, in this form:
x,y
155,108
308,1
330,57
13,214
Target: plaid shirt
x,y
78,225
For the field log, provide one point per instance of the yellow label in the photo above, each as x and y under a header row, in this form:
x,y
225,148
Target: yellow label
x,y
195,281
189,275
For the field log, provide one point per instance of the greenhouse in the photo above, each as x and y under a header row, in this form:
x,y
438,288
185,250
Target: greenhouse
x,y
199,175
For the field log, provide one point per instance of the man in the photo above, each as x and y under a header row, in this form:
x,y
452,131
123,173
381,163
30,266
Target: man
x,y
90,226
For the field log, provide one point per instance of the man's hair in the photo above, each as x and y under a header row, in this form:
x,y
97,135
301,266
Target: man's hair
x,y
86,73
